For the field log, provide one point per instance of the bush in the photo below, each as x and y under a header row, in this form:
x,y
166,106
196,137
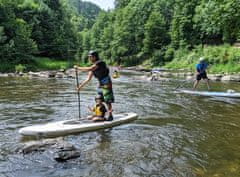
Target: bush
x,y
20,68
169,54
158,58
221,58
50,64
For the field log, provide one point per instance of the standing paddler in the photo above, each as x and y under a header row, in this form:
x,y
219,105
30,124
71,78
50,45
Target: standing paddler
x,y
99,70
201,73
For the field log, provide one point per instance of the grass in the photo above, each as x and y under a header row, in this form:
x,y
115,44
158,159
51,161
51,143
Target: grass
x,y
51,64
222,59
38,64
6,67
225,68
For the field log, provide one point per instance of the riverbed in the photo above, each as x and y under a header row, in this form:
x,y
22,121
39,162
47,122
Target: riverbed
x,y
175,134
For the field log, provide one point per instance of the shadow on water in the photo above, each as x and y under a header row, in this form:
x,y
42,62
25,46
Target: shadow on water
x,y
175,135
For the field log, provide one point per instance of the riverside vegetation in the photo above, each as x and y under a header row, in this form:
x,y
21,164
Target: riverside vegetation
x,y
45,34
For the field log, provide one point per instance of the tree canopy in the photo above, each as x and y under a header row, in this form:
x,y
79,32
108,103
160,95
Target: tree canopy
x,y
133,32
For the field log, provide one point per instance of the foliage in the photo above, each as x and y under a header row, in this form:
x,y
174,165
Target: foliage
x,y
221,58
20,68
44,28
85,13
218,21
135,32
51,64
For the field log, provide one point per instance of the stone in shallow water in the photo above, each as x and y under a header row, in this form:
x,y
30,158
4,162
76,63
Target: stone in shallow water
x,y
64,155
63,151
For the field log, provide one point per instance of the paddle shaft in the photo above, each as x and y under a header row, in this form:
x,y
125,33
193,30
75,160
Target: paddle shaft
x,y
180,85
78,93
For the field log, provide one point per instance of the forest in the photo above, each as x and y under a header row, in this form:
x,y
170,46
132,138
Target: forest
x,y
152,33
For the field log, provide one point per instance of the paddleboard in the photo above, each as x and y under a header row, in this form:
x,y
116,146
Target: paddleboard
x,y
61,128
214,94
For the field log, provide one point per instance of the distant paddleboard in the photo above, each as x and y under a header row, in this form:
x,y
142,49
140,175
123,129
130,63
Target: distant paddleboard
x,y
215,94
61,128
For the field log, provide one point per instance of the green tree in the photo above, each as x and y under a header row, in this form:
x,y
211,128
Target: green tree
x,y
156,35
218,21
16,43
121,3
182,28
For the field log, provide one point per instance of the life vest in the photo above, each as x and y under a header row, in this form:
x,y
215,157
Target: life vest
x,y
116,75
99,110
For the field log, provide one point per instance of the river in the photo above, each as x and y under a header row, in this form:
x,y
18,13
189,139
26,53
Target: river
x,y
176,134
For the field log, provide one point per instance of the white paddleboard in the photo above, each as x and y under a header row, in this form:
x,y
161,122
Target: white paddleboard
x,y
61,128
216,94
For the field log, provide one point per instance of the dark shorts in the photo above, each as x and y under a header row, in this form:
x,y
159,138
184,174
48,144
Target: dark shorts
x,y
201,76
106,93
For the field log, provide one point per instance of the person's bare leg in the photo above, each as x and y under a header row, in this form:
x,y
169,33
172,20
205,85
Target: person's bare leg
x,y
207,82
195,84
109,108
109,105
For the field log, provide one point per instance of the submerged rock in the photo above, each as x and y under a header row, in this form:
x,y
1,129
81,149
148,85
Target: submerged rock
x,y
60,75
63,155
235,78
35,146
215,77
66,151
62,151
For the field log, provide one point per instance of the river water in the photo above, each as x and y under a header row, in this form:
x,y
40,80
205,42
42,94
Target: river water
x,y
175,135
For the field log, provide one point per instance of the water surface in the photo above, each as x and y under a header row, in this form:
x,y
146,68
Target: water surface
x,y
175,135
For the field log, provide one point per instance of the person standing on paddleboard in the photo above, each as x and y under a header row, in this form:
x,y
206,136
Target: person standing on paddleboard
x,y
100,71
201,73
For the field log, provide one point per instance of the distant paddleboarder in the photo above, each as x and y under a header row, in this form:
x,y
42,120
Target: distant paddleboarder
x,y
116,74
201,73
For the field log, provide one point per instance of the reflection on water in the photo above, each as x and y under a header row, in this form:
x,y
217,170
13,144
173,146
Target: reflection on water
x,y
175,135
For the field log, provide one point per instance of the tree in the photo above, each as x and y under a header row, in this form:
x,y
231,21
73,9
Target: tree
x,y
121,3
182,28
16,43
217,21
156,36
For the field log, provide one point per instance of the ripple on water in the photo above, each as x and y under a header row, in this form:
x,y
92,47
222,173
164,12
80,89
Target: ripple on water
x,y
175,135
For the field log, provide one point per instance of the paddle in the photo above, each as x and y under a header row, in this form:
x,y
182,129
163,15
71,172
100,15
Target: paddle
x,y
180,85
78,93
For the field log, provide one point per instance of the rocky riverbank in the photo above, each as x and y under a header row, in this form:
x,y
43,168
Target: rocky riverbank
x,y
162,74
70,73
191,76
151,75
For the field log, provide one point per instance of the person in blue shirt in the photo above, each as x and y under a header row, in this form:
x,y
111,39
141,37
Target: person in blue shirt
x,y
201,73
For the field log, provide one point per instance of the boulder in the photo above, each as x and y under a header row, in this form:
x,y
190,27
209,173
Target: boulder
x,y
66,152
235,78
215,77
63,151
51,74
71,73
60,75
3,75
34,146
34,74
165,74
11,75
